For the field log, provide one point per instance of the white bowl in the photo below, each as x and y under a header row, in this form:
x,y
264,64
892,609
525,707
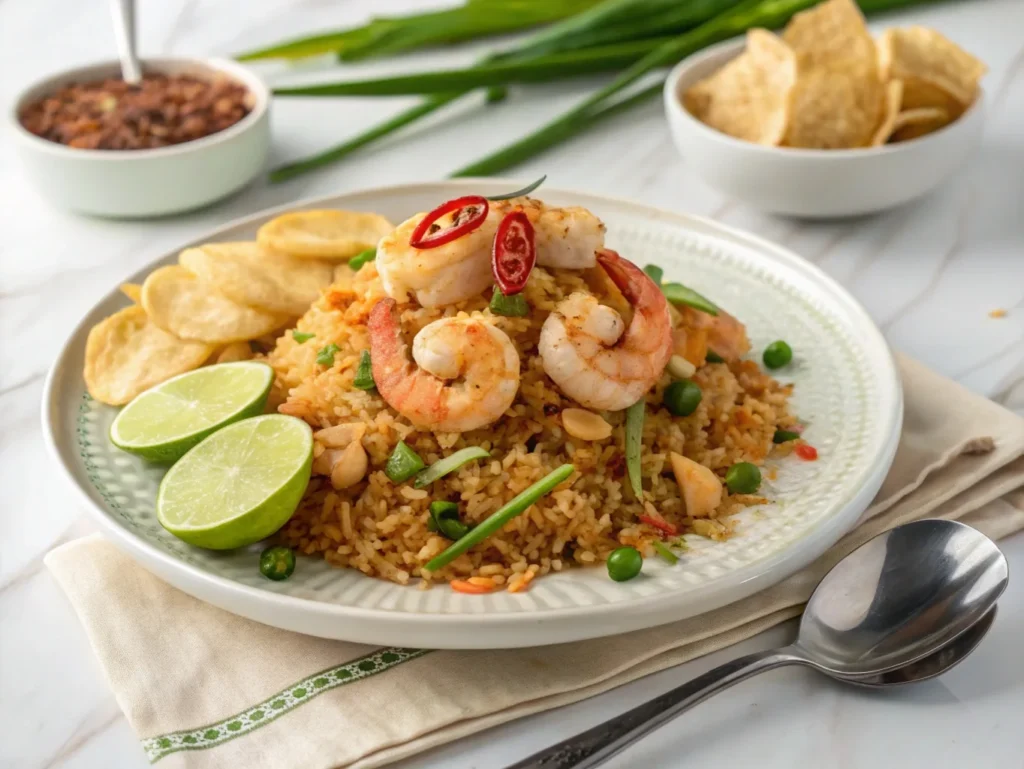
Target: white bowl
x,y
149,182
812,183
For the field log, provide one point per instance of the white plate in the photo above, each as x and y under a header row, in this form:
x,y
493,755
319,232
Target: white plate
x,y
847,390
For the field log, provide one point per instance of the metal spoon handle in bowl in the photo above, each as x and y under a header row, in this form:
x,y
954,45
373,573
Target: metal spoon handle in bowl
x,y
595,746
123,12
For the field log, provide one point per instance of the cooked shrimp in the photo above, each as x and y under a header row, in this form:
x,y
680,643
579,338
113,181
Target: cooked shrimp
x,y
590,354
565,237
699,332
437,276
466,371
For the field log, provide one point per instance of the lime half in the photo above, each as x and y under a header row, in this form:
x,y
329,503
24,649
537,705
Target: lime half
x,y
164,422
239,485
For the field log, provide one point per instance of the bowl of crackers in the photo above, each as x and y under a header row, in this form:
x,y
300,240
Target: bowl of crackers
x,y
822,120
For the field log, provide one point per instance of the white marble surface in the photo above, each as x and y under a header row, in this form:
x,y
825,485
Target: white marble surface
x,y
929,273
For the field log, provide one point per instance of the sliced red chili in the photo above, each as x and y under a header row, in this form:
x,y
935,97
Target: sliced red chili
x,y
471,212
514,253
659,523
806,452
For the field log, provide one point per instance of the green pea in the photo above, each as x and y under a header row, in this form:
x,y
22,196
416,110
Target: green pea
x,y
784,436
624,564
277,563
777,354
743,478
682,397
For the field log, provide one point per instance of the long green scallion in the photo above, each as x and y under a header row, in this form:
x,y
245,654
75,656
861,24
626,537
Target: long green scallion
x,y
449,464
493,524
634,438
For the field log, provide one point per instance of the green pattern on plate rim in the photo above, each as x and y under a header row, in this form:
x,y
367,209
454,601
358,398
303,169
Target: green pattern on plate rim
x,y
277,705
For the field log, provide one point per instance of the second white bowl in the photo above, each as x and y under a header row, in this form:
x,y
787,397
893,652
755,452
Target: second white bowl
x,y
812,183
148,182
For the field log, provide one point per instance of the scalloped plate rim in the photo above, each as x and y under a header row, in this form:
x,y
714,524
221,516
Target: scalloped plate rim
x,y
506,629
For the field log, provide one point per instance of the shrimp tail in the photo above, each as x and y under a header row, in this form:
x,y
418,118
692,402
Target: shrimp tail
x,y
635,284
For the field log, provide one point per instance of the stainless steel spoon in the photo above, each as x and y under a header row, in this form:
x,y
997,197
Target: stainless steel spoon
x,y
123,12
885,615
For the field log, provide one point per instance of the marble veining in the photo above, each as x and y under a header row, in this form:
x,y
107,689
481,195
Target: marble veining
x,y
929,273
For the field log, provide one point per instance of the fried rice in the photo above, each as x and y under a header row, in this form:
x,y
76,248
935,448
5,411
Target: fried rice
x,y
380,527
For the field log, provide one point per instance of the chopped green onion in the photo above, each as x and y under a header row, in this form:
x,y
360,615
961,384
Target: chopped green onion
x,y
325,357
403,463
634,436
516,506
519,193
784,436
677,293
713,357
362,258
449,464
666,554
655,273
514,306
302,336
277,563
364,373
444,518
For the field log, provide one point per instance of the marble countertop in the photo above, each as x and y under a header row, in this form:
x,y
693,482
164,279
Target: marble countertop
x,y
929,273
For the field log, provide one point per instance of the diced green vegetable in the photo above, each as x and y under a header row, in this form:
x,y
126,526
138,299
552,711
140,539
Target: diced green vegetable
x,y
364,373
449,464
302,336
777,354
677,293
682,397
743,478
713,357
277,563
403,463
516,506
325,356
362,258
519,193
784,436
634,438
444,518
624,563
655,273
667,555
514,306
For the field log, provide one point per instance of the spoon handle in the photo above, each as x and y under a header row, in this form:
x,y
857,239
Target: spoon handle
x,y
595,746
123,12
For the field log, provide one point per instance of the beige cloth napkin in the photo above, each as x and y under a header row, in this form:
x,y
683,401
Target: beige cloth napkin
x,y
205,689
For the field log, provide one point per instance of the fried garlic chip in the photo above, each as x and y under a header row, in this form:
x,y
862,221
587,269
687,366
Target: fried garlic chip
x,y
324,234
936,71
249,274
126,354
749,97
893,98
179,303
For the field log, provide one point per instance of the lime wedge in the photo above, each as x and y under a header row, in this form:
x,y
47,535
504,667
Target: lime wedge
x,y
164,422
239,485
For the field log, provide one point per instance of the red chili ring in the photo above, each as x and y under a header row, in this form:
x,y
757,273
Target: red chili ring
x,y
514,253
420,239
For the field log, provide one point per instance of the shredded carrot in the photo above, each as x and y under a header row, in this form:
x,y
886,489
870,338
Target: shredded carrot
x,y
806,452
659,523
463,586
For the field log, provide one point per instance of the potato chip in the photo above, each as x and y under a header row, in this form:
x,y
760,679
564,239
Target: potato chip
x,y
126,354
748,98
926,58
132,290
913,123
179,303
325,234
918,94
834,109
893,97
249,274
830,31
233,352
